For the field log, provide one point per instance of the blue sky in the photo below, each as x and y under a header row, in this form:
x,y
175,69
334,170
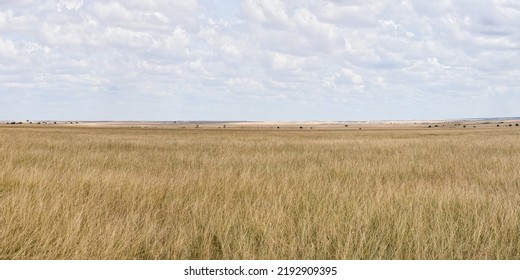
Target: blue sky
x,y
258,60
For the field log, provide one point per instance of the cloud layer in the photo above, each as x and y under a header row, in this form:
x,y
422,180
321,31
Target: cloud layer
x,y
259,60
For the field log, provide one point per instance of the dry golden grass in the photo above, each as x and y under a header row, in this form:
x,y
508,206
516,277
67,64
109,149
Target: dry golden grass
x,y
123,193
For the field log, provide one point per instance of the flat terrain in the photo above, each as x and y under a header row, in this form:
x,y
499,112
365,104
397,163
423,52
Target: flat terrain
x,y
393,191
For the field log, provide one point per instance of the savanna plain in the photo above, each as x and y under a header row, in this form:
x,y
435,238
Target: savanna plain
x,y
99,192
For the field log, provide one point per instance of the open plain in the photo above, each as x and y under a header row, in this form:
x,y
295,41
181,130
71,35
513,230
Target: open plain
x,y
260,191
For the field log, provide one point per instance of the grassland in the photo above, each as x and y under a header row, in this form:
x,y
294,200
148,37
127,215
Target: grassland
x,y
167,193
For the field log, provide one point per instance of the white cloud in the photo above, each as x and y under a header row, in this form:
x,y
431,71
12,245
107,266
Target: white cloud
x,y
245,83
69,4
11,22
312,57
354,77
112,12
270,12
8,49
283,61
308,22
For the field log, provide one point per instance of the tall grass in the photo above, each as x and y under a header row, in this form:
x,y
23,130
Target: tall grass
x,y
123,193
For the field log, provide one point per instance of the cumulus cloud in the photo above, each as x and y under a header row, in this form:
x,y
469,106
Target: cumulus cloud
x,y
311,59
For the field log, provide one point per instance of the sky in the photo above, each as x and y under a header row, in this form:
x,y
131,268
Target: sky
x,y
259,60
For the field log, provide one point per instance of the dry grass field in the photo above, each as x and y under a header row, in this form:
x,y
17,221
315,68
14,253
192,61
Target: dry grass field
x,y
171,193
